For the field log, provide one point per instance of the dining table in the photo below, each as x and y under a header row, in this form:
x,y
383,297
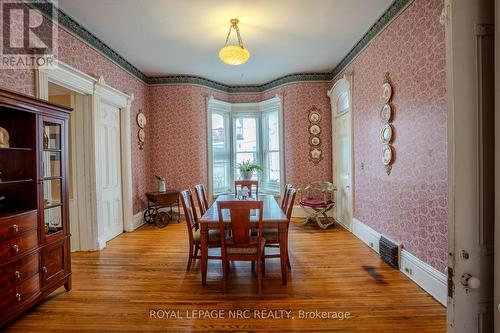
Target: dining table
x,y
272,218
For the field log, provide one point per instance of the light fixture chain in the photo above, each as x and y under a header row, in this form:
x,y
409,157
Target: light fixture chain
x,y
228,35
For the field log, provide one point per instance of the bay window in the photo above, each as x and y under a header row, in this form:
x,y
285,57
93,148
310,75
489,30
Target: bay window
x,y
241,132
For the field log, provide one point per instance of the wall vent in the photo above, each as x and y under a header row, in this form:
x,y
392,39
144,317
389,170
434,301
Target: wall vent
x,y
390,252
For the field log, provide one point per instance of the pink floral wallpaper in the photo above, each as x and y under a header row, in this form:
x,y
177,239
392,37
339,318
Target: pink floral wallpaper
x,y
179,131
81,56
411,204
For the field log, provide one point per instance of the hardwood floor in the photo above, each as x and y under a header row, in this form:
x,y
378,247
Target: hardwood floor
x,y
117,289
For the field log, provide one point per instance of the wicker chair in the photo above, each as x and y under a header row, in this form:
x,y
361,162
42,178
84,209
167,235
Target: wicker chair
x,y
317,199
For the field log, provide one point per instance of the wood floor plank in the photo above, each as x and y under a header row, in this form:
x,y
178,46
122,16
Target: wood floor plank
x,y
332,271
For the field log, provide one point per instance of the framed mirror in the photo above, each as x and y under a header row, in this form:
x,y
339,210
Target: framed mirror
x,y
386,113
386,154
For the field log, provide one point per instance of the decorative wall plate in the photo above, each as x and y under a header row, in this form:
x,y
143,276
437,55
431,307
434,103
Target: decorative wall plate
x,y
141,120
314,141
386,154
314,117
386,93
386,133
386,113
314,129
141,135
315,155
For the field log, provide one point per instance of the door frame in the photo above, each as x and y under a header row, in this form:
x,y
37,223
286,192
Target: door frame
x,y
341,85
464,19
98,92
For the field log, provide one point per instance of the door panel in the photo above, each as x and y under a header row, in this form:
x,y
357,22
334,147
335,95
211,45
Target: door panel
x,y
469,55
110,170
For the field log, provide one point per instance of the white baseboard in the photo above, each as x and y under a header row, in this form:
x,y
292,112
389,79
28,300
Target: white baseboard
x,y
427,277
137,221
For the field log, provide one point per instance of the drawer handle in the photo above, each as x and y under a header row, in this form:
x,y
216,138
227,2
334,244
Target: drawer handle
x,y
18,297
44,269
15,227
18,275
16,248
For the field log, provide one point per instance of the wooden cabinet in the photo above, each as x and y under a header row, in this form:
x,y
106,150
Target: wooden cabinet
x,y
34,226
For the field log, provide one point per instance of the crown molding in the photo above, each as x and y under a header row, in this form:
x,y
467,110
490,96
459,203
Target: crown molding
x,y
72,26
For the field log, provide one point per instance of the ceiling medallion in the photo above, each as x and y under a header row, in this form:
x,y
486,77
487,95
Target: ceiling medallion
x,y
234,54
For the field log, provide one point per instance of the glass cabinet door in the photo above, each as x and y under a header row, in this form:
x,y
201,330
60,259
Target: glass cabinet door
x,y
52,181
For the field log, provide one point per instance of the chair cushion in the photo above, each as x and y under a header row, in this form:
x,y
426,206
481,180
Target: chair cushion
x,y
213,235
271,235
310,202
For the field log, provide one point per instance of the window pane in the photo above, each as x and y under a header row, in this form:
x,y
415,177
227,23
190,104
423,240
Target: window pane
x,y
218,132
221,165
274,169
273,131
245,134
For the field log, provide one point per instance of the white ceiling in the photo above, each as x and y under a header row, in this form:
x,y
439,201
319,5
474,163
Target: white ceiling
x,y
163,37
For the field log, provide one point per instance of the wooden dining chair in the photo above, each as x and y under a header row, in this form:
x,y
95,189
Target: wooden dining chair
x,y
241,246
284,201
214,239
201,197
272,235
250,184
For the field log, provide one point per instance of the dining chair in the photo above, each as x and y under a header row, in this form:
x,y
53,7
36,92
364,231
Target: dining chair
x,y
201,197
284,201
241,246
272,235
214,239
250,184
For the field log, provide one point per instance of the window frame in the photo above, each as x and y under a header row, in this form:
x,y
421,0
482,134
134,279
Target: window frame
x,y
232,111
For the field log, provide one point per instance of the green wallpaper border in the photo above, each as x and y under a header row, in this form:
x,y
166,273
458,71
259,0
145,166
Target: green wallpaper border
x,y
82,33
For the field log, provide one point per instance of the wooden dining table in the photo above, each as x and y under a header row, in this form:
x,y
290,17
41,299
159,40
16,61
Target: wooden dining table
x,y
273,218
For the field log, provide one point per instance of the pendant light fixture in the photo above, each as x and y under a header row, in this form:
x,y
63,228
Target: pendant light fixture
x,y
234,54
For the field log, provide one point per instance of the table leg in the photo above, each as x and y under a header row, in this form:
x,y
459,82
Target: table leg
x,y
204,252
283,234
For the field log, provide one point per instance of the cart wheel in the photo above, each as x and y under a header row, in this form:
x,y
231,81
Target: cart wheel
x,y
162,219
149,215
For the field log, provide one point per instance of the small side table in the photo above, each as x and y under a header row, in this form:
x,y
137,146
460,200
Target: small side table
x,y
159,200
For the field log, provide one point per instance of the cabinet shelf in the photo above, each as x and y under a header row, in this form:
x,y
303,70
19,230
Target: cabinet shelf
x,y
15,149
15,181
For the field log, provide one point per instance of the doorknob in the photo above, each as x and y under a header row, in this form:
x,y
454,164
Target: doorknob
x,y
470,281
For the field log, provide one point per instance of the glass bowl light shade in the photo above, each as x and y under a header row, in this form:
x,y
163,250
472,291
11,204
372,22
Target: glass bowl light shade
x,y
234,55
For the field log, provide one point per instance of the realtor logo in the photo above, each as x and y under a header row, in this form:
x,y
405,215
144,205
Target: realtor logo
x,y
28,37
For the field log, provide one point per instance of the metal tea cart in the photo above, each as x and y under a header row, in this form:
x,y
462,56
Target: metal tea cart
x,y
156,202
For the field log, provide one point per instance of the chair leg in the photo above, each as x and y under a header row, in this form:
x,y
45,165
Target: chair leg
x,y
259,275
288,262
190,257
263,265
224,274
253,266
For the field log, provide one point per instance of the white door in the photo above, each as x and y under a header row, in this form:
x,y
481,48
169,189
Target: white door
x,y
342,151
109,153
469,56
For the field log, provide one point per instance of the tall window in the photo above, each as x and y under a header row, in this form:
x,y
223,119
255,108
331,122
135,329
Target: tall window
x,y
245,132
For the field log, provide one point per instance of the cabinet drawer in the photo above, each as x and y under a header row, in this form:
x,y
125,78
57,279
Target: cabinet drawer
x,y
54,262
19,271
17,295
13,226
12,247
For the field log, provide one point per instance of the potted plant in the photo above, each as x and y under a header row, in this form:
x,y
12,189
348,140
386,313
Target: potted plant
x,y
247,169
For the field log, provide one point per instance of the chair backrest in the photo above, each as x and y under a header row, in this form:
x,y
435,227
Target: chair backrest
x,y
201,196
291,198
284,201
239,213
321,190
189,212
249,184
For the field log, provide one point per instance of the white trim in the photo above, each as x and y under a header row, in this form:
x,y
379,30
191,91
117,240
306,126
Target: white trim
x,y
342,85
98,92
137,221
427,277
